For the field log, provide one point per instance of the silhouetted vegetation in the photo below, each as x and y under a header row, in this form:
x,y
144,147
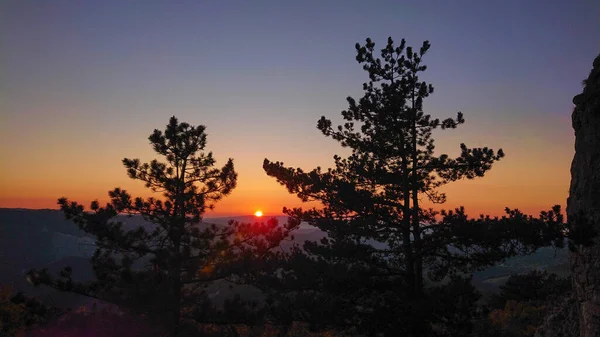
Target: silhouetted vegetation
x,y
179,256
524,300
18,312
389,265
535,287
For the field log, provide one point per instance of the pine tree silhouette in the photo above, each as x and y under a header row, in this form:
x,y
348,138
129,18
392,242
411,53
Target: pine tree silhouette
x,y
181,255
381,244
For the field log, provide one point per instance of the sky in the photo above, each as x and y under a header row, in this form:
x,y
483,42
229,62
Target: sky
x,y
83,84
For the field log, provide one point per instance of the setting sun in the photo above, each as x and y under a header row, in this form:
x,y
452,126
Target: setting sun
x,y
258,213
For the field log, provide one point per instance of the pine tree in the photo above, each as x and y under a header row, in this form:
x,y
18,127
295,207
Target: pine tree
x,y
162,269
381,244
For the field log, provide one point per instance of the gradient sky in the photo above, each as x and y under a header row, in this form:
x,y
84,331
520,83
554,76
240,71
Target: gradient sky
x,y
83,84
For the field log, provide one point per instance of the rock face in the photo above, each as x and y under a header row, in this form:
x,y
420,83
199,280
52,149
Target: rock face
x,y
563,319
583,205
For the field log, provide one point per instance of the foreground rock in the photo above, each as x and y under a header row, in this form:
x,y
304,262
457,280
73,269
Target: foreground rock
x,y
563,319
583,205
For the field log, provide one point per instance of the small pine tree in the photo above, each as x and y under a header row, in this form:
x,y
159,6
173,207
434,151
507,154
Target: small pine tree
x,y
162,269
536,287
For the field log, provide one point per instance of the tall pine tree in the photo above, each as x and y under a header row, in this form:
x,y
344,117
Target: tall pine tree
x,y
382,244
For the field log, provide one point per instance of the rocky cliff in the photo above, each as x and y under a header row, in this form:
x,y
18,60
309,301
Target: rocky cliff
x,y
583,205
562,320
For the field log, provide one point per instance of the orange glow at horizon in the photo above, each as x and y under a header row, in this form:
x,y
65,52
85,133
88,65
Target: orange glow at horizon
x,y
531,178
84,88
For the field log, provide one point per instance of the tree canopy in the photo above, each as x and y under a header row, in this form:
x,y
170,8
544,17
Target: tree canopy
x,y
385,254
387,264
162,269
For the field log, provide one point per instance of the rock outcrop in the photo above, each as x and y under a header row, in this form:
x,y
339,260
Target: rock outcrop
x,y
583,205
562,320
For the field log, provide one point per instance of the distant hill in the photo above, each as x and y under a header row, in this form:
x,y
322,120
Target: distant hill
x,y
45,239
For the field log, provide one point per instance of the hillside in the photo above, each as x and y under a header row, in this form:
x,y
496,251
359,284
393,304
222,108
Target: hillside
x,y
44,239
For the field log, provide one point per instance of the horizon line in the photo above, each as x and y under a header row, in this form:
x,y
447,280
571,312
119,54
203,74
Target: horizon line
x,y
216,215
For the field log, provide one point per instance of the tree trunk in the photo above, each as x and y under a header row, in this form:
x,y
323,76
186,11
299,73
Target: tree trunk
x,y
178,228
583,205
175,278
175,297
408,253
416,221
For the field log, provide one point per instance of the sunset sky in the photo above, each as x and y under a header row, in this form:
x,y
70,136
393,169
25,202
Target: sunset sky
x,y
83,84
